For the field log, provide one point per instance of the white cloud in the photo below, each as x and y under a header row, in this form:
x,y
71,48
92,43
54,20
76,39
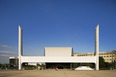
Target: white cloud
x,y
5,46
4,55
7,52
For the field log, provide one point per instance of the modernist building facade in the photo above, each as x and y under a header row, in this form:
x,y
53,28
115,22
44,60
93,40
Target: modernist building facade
x,y
108,56
58,54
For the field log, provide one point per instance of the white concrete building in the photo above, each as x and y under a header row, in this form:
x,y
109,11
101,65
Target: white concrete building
x,y
59,54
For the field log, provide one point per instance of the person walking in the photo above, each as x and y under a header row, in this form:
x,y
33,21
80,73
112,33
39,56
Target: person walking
x,y
56,68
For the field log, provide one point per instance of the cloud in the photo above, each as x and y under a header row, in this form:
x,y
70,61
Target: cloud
x,y
7,52
5,46
4,55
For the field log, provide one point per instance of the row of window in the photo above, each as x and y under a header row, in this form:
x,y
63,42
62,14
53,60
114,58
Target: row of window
x,y
106,53
91,55
108,56
85,55
108,59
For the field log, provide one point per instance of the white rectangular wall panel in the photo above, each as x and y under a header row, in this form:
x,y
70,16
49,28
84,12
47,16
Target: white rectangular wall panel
x,y
58,51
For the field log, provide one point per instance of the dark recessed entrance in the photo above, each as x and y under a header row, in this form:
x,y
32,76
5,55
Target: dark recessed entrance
x,y
58,65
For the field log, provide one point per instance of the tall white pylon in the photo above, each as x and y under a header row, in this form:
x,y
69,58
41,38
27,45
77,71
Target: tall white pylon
x,y
97,46
20,48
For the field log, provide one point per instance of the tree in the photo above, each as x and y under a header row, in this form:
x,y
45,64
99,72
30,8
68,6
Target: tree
x,y
101,62
75,65
38,64
103,65
92,65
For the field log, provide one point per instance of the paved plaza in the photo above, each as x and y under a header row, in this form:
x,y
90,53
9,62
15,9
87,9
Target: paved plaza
x,y
59,73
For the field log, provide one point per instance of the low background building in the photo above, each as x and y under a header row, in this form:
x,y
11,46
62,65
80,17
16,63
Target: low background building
x,y
108,56
13,60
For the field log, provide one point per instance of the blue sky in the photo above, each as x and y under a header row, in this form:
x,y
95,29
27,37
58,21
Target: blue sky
x,y
56,23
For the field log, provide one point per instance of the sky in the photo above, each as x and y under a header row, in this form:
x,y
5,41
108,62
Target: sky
x,y
56,23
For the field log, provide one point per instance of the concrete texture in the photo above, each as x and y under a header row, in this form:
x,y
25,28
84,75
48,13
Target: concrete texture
x,y
59,73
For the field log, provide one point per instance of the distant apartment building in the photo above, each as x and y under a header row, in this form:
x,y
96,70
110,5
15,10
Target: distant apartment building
x,y
13,60
109,56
